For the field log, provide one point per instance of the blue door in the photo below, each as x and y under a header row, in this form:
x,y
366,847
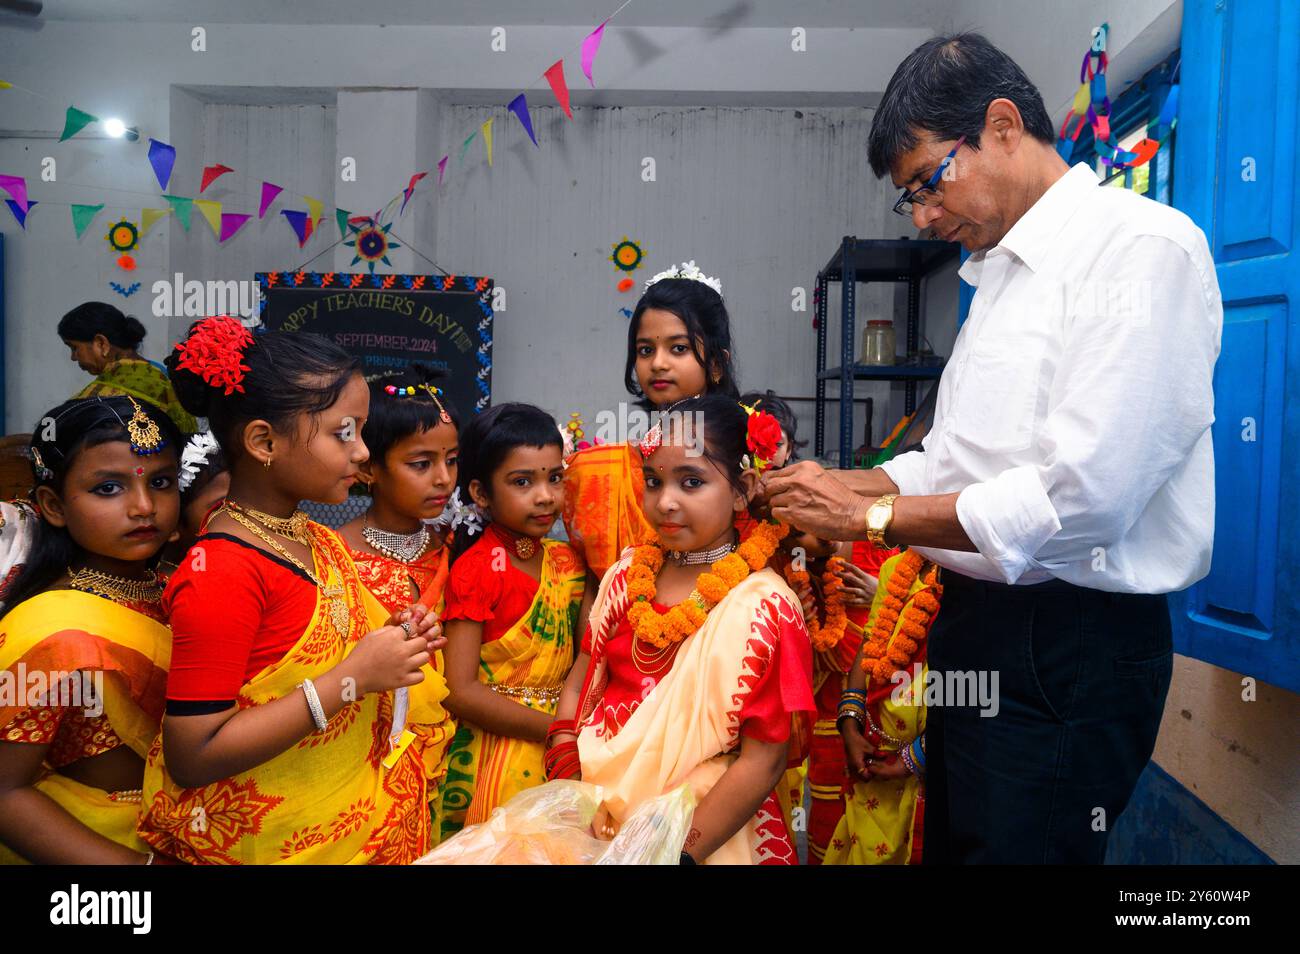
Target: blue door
x,y
1235,175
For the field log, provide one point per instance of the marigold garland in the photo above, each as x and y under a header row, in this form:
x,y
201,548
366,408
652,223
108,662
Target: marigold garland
x,y
663,629
825,634
901,624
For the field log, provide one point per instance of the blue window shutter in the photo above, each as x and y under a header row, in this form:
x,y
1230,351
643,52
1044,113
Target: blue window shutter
x,y
1234,174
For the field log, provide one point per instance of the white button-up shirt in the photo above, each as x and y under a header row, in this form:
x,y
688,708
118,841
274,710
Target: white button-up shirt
x,y
1074,415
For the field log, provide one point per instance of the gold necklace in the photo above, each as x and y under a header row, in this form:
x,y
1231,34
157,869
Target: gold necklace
x,y
333,595
294,526
652,664
119,589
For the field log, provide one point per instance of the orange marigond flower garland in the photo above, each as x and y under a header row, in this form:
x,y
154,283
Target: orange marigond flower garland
x,y
825,635
884,652
663,629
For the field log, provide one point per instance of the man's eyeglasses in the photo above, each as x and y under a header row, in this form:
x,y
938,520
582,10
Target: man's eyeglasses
x,y
927,194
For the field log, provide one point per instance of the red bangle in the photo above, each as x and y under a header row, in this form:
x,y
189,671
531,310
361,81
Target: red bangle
x,y
561,725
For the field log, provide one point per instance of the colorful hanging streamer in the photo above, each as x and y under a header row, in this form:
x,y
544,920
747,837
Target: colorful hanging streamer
x,y
20,211
555,76
182,207
83,215
16,186
149,216
211,211
442,168
269,191
487,139
589,47
315,208
232,222
300,222
211,174
162,157
341,217
519,106
410,188
75,121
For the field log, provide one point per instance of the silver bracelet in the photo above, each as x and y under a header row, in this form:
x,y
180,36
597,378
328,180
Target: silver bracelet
x,y
313,703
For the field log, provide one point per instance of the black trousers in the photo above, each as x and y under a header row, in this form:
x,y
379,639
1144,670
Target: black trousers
x,y
1082,677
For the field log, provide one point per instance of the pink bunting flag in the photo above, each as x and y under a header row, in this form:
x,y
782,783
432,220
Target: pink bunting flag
x,y
442,167
269,191
16,186
410,187
555,76
231,222
589,47
212,173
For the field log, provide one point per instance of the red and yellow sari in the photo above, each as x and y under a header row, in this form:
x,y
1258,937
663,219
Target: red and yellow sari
x,y
66,632
343,796
603,489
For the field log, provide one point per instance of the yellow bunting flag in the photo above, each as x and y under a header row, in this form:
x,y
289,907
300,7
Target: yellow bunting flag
x,y
4,85
315,208
211,210
149,216
487,139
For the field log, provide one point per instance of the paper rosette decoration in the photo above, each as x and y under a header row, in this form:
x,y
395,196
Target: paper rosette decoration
x,y
627,255
371,244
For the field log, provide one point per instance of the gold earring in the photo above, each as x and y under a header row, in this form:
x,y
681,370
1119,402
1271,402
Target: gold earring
x,y
267,463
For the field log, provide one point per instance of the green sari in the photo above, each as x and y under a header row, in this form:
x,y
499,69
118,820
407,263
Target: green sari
x,y
143,380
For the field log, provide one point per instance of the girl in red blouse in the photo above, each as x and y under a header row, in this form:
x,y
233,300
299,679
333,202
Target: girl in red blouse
x,y
514,603
290,688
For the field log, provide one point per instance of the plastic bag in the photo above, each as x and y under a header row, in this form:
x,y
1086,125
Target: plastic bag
x,y
551,825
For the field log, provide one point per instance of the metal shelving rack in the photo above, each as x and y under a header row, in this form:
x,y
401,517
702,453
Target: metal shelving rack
x,y
872,260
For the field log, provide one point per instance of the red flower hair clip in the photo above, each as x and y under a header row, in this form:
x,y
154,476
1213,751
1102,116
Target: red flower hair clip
x,y
215,352
762,437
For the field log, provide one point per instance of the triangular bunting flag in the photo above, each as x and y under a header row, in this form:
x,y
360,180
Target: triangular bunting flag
x,y
211,211
589,47
20,212
315,207
410,187
162,157
555,76
442,168
149,216
75,121
465,145
341,217
6,85
182,207
269,192
16,186
212,174
83,215
299,222
231,223
519,106
487,139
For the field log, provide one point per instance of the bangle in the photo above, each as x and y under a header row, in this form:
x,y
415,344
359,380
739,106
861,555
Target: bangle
x,y
313,704
918,752
149,860
561,726
905,753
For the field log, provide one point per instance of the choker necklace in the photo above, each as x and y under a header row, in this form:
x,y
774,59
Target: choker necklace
x,y
119,589
524,546
294,527
402,547
693,557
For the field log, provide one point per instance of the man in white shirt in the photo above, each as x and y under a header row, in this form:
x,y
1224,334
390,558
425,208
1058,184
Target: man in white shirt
x,y
1067,482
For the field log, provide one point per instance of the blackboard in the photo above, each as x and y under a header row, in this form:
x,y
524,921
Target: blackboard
x,y
391,320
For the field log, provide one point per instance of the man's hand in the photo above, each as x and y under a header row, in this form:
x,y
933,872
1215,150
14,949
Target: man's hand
x,y
807,497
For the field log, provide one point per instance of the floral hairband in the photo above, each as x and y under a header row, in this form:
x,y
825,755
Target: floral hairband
x,y
392,390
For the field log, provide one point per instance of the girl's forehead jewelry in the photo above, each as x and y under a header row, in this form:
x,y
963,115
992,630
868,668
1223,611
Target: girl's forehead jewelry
x,y
143,432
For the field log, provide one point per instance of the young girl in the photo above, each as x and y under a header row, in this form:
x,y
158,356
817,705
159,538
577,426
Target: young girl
x,y
513,607
699,655
204,482
284,739
86,617
412,438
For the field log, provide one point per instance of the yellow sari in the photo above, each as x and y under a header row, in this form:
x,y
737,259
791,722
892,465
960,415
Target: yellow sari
x,y
687,729
343,796
64,631
487,770
603,489
882,817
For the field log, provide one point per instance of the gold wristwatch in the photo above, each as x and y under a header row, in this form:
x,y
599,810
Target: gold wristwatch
x,y
879,516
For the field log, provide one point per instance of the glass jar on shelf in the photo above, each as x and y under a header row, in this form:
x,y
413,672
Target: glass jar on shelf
x,y
878,343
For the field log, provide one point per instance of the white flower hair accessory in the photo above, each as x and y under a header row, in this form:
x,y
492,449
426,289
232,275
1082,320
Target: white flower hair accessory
x,y
687,270
195,456
459,514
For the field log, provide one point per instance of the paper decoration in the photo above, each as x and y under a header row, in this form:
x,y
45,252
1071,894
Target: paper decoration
x,y
211,174
20,211
16,186
316,208
5,85
125,292
162,157
126,263
232,222
75,121
1144,151
465,145
341,217
182,207
211,211
122,236
371,243
487,139
627,255
519,106
299,222
555,76
410,188
589,47
269,192
149,216
442,168
83,215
